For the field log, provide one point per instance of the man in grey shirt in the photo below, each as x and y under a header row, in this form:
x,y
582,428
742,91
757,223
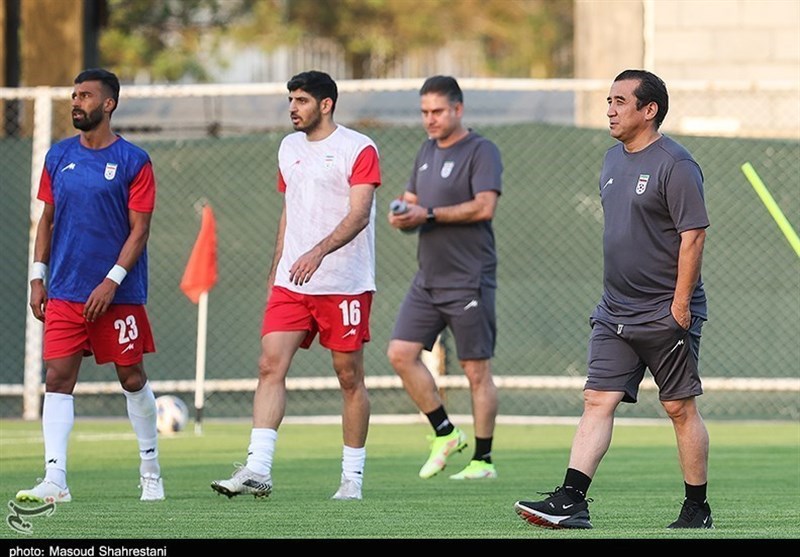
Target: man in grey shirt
x,y
653,305
451,198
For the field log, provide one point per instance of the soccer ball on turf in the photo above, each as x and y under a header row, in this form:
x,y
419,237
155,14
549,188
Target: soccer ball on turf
x,y
173,414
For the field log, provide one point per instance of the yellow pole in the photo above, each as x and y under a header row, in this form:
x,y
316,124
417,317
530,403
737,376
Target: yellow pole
x,y
772,206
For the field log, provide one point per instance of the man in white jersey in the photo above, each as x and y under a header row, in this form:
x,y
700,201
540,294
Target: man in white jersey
x,y
321,281
653,305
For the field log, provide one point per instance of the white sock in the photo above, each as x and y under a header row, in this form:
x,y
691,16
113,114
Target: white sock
x,y
58,417
143,415
261,450
353,463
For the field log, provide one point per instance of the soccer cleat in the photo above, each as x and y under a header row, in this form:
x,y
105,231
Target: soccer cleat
x,y
44,492
244,482
152,487
559,510
348,490
441,449
476,470
694,515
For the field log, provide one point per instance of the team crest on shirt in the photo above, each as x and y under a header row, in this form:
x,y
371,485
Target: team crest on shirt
x,y
111,171
328,161
447,168
641,185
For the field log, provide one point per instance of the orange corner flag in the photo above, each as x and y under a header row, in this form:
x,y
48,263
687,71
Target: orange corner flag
x,y
201,270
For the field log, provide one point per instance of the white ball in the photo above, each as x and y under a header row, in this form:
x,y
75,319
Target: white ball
x,y
173,414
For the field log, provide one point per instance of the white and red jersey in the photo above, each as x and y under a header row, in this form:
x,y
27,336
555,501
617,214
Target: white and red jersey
x,y
315,177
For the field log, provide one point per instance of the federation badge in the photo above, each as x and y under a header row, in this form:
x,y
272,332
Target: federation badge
x,y
111,171
447,168
641,185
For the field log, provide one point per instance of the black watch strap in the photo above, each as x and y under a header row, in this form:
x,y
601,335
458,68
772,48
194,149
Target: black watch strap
x,y
431,216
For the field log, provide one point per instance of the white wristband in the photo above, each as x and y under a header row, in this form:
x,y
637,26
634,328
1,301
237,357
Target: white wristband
x,y
117,274
39,270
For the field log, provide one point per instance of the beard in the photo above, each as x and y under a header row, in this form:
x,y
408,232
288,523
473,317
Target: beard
x,y
89,121
310,125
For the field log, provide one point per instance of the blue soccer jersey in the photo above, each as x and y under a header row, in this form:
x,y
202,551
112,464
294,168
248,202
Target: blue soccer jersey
x,y
92,191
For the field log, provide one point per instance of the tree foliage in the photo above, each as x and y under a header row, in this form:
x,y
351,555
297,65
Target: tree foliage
x,y
167,38
161,39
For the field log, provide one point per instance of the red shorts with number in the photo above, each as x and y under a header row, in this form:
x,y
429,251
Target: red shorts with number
x,y
342,320
121,335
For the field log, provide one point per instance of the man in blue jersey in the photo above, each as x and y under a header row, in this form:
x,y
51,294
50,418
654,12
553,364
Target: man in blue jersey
x,y
89,278
451,196
653,304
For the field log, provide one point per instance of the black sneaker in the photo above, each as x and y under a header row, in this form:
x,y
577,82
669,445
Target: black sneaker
x,y
559,510
694,515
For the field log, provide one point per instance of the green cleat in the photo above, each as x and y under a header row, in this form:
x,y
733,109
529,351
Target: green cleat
x,y
476,470
441,449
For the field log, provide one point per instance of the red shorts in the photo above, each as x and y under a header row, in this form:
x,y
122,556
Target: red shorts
x,y
342,320
121,335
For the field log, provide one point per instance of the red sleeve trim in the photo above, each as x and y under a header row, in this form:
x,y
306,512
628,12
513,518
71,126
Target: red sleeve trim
x,y
142,192
281,183
45,188
367,168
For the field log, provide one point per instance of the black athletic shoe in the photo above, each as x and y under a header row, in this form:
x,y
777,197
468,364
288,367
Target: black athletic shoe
x,y
559,510
694,515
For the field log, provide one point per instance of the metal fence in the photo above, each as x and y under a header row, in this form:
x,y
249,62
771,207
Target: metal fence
x,y
218,144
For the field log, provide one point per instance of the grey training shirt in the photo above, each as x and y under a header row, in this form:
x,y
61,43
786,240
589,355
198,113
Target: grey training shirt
x,y
649,198
456,255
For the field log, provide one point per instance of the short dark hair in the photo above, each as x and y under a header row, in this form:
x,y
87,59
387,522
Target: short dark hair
x,y
443,85
109,80
651,88
317,84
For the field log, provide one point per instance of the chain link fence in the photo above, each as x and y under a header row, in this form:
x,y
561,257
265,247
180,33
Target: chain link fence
x,y
219,145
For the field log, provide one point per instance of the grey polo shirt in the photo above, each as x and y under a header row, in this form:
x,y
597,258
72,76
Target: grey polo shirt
x,y
649,198
456,255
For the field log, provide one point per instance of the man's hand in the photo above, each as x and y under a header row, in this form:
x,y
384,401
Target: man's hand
x,y
38,301
305,266
100,299
682,315
413,217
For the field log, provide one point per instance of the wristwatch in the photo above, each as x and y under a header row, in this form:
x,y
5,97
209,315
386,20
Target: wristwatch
x,y
431,216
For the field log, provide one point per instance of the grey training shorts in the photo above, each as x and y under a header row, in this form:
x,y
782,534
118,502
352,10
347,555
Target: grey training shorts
x,y
469,313
619,354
